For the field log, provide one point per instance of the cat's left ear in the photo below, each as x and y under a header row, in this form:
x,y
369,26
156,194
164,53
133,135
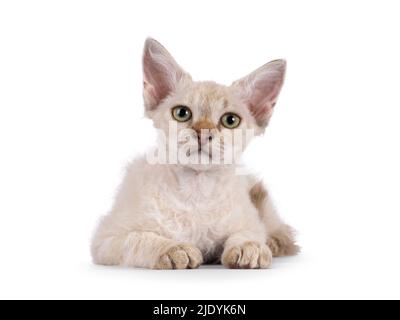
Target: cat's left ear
x,y
161,73
260,90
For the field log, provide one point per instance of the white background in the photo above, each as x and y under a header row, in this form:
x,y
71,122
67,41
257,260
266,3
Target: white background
x,y
71,116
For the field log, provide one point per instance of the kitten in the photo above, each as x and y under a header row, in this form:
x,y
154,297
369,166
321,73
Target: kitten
x,y
183,213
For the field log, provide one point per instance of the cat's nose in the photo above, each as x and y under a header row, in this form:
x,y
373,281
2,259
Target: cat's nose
x,y
204,130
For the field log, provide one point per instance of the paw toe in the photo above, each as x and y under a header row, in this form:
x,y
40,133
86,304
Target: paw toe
x,y
180,257
164,263
250,255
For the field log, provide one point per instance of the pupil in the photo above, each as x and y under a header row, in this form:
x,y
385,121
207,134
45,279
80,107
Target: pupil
x,y
182,113
231,120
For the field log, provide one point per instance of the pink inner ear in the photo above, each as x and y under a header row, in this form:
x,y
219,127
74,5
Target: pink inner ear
x,y
150,95
161,73
156,79
260,89
260,102
260,113
263,100
156,84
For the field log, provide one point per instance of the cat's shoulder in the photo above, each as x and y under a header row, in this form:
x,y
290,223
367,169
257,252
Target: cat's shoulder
x,y
140,167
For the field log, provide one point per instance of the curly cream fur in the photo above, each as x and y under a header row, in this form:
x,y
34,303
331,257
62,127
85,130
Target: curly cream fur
x,y
174,216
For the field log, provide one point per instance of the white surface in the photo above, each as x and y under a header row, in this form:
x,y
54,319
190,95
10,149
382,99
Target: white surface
x,y
71,117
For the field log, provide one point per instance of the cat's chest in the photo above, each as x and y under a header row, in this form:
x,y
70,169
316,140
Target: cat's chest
x,y
201,193
196,210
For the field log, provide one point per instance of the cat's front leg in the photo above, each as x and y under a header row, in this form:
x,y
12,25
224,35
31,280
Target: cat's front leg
x,y
144,250
147,249
242,251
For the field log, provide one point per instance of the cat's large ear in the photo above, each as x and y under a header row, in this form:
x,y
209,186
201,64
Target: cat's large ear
x,y
260,90
161,73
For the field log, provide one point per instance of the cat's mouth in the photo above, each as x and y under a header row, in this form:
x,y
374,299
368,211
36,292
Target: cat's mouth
x,y
199,152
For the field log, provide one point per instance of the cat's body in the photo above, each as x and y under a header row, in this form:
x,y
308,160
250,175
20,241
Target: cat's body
x,y
178,216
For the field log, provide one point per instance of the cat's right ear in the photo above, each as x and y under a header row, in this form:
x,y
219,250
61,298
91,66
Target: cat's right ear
x,y
161,74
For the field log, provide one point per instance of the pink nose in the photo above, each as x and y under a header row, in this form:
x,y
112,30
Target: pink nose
x,y
204,129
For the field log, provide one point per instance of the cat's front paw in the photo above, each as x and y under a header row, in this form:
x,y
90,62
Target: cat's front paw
x,y
183,256
250,255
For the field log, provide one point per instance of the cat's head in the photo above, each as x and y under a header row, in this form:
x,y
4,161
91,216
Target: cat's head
x,y
206,114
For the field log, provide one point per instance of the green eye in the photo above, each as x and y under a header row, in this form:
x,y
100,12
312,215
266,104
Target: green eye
x,y
181,113
230,120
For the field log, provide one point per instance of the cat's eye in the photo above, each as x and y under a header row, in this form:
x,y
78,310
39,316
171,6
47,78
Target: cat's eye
x,y
181,113
230,120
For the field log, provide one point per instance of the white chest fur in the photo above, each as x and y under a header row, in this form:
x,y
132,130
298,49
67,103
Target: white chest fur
x,y
196,207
